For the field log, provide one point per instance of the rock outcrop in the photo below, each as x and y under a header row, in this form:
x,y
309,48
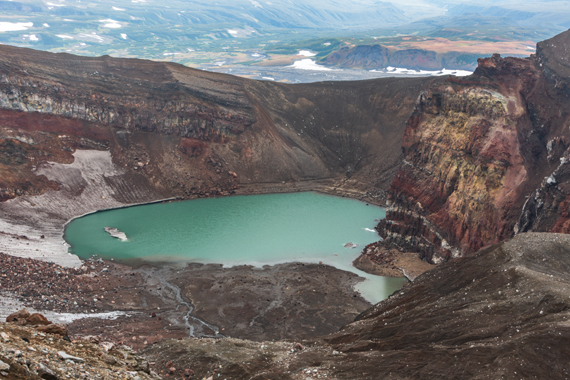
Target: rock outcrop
x,y
485,157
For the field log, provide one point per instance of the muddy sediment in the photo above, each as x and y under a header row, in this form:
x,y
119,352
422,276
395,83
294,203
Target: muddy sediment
x,y
283,301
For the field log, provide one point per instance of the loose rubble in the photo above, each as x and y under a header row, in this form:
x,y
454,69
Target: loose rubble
x,y
28,353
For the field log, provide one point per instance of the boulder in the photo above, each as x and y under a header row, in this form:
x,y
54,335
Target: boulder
x,y
4,366
18,316
37,319
65,356
46,373
54,328
107,346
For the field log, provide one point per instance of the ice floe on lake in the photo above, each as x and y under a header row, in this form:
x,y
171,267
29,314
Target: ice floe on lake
x,y
114,232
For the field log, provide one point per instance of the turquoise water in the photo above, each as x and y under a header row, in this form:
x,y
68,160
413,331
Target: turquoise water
x,y
256,230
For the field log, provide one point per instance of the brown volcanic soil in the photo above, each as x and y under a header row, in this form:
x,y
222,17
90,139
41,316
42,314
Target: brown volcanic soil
x,y
501,313
275,302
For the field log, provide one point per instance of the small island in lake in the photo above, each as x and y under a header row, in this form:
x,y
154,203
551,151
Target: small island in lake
x,y
114,232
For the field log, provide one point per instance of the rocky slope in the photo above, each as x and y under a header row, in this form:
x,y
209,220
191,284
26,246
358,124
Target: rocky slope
x,y
500,313
79,134
485,157
28,351
380,57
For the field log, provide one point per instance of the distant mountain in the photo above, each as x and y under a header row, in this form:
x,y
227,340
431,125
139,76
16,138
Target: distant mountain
x,y
379,57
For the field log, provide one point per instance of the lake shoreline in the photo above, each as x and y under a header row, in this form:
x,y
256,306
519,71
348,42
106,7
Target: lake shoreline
x,y
33,226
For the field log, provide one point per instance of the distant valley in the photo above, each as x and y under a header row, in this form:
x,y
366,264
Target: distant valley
x,y
232,36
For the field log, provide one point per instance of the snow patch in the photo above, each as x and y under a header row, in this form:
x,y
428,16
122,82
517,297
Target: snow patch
x,y
551,180
267,78
9,305
256,4
404,71
124,36
6,26
118,9
109,23
64,36
309,64
46,25
306,53
91,37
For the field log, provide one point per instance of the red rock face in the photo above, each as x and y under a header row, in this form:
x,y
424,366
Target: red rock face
x,y
485,158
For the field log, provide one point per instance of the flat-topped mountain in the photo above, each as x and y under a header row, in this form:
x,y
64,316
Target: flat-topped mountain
x,y
380,57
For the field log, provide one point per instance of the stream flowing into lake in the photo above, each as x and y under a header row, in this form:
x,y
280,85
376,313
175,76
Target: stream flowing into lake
x,y
255,230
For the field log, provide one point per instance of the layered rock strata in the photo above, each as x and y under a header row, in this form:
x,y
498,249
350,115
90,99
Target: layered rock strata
x,y
485,157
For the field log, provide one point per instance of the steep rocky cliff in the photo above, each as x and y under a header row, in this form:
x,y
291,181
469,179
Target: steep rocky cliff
x,y
485,157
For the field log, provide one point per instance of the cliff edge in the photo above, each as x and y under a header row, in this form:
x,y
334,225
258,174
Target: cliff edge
x,y
485,157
